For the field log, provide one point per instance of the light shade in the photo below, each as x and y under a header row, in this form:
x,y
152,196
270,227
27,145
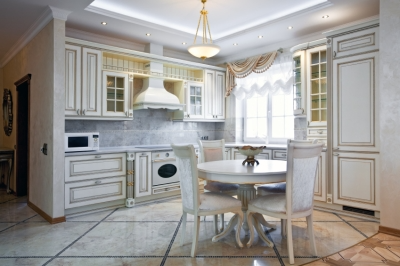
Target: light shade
x,y
204,50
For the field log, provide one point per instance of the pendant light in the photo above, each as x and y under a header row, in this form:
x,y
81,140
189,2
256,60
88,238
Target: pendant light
x,y
207,49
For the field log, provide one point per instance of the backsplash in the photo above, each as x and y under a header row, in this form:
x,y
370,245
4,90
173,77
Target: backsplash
x,y
300,128
147,128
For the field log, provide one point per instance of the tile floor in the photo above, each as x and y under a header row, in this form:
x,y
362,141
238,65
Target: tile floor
x,y
149,234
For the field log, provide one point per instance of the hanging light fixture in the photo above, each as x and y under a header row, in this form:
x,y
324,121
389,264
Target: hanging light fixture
x,y
207,49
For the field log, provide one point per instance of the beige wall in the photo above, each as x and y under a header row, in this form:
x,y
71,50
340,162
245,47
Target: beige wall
x,y
390,112
43,57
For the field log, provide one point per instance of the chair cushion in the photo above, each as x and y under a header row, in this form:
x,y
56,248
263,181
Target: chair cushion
x,y
271,189
220,187
211,201
271,203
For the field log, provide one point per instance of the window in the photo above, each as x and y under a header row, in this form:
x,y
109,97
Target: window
x,y
269,118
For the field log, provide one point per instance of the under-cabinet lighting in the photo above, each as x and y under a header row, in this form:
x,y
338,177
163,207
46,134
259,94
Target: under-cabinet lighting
x,y
103,23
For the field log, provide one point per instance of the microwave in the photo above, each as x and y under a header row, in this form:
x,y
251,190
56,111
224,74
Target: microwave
x,y
81,141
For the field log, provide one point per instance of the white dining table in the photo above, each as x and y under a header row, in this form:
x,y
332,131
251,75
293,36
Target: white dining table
x,y
246,176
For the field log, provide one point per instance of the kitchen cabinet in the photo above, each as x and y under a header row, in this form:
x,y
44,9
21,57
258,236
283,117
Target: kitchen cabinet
x,y
195,100
299,83
320,180
116,95
228,153
215,95
73,76
91,179
142,174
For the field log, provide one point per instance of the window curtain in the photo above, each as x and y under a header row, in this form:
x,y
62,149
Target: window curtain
x,y
278,77
243,68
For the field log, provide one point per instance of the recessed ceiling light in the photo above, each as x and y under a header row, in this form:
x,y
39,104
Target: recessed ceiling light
x,y
326,16
148,34
290,27
184,43
260,36
103,23
235,44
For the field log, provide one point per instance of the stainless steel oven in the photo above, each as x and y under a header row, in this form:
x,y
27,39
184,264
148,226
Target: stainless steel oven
x,y
164,168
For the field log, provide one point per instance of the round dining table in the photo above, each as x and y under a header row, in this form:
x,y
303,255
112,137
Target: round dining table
x,y
246,176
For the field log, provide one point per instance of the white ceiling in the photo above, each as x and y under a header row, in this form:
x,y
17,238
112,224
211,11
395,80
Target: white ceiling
x,y
172,22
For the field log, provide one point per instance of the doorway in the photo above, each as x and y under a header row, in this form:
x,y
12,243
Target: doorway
x,y
22,141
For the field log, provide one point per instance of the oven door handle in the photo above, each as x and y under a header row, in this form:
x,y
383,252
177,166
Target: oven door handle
x,y
163,160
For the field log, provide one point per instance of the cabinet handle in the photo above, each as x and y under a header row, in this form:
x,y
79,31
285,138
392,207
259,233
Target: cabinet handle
x,y
84,111
336,154
320,131
188,116
97,156
126,113
77,111
336,148
98,182
334,54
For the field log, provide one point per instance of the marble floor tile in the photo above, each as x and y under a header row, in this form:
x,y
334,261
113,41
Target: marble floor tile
x,y
349,218
15,212
124,239
106,261
4,226
222,261
23,261
298,261
91,217
19,199
368,228
40,239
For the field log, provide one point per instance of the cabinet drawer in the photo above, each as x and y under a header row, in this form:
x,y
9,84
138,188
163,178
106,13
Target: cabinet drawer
x,y
316,132
357,42
164,189
320,140
279,155
79,168
83,193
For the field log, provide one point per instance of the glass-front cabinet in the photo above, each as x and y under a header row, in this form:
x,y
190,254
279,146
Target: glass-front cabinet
x,y
299,103
316,84
195,106
115,94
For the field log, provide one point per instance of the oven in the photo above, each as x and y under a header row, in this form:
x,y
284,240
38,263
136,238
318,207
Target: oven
x,y
164,168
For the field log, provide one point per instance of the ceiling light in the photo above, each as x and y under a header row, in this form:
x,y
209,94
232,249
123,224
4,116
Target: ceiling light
x,y
260,36
148,34
326,16
103,23
184,43
206,49
290,27
235,44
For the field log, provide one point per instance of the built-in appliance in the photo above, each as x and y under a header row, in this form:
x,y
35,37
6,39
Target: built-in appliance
x,y
164,167
88,141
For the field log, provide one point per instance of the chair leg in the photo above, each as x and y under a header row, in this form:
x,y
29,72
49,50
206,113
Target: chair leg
x,y
239,226
290,241
184,217
310,228
283,228
221,216
216,224
195,236
251,228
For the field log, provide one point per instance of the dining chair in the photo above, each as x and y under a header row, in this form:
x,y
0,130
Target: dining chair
x,y
201,204
298,201
214,150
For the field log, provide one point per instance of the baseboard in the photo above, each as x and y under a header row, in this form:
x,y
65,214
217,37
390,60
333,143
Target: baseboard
x,y
45,215
389,231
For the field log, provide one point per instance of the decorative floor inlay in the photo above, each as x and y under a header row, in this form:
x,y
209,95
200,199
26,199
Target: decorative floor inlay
x,y
150,234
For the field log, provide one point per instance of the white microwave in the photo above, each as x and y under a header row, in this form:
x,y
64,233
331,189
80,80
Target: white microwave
x,y
82,141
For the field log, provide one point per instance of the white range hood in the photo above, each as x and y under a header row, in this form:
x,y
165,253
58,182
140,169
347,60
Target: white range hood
x,y
153,94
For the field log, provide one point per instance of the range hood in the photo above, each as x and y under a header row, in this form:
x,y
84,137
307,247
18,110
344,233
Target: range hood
x,y
153,94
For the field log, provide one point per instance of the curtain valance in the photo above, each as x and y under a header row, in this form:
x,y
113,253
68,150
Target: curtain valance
x,y
243,68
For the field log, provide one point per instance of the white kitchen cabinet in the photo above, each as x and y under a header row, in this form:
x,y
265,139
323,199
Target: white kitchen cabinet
x,y
355,180
115,94
228,153
320,180
91,82
264,155
215,95
195,100
299,83
279,155
73,80
363,41
142,174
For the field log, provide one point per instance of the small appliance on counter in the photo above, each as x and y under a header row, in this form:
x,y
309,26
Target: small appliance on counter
x,y
88,141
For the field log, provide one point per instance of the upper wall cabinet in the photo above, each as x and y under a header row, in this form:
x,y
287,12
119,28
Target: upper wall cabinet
x,y
73,91
115,95
215,98
356,43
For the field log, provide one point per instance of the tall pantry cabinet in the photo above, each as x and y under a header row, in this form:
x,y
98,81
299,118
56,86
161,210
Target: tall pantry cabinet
x,y
353,130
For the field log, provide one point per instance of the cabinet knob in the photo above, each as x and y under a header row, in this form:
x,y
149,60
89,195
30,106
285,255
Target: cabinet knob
x,y
320,131
334,54
84,111
97,156
336,154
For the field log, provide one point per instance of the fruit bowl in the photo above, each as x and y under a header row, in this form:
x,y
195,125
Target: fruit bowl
x,y
250,152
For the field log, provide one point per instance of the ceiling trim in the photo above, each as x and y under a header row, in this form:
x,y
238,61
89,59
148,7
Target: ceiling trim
x,y
37,26
133,20
270,22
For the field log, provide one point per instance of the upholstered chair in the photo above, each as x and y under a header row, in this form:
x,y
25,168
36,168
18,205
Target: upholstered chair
x,y
214,150
201,204
297,202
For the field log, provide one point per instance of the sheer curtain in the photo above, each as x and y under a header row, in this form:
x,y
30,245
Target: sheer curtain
x,y
278,77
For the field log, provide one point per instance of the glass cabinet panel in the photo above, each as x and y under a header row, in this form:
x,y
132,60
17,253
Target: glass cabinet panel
x,y
196,100
115,94
297,84
317,81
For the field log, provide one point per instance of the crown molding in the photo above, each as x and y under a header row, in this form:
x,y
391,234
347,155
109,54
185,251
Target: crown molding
x,y
49,14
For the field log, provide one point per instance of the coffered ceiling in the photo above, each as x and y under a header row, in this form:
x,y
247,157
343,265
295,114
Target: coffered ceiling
x,y
173,22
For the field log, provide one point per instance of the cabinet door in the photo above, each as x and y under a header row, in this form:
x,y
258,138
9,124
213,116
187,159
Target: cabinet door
x,y
355,98
219,95
355,180
115,94
320,179
227,153
91,82
209,94
299,83
195,100
72,80
316,86
142,174
355,43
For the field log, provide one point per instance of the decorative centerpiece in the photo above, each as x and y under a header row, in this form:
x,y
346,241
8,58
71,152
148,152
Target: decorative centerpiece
x,y
250,152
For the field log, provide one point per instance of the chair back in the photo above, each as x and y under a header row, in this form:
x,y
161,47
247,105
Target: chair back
x,y
187,168
211,150
302,162
313,141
